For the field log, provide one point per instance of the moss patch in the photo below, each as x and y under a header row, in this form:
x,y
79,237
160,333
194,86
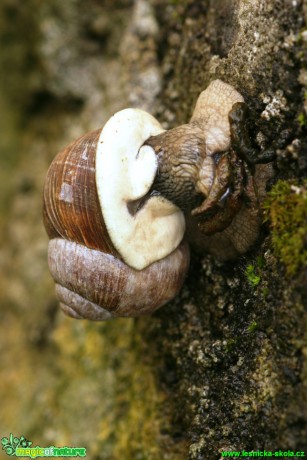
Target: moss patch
x,y
252,275
286,209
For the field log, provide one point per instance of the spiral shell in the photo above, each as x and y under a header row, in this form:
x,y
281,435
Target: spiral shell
x,y
95,285
115,249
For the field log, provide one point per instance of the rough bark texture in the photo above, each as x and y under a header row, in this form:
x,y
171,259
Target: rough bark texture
x,y
224,366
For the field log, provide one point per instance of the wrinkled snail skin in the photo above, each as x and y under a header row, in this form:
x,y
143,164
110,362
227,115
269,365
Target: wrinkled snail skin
x,y
119,201
188,163
243,230
204,177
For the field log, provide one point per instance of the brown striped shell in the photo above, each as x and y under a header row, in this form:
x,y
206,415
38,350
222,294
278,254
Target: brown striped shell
x,y
71,206
92,279
95,285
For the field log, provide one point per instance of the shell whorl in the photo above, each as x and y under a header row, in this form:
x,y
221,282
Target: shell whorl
x,y
71,205
106,258
119,289
93,183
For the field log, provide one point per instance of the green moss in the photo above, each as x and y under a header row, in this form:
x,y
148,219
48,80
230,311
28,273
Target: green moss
x,y
252,275
252,326
253,271
286,209
265,292
302,119
231,344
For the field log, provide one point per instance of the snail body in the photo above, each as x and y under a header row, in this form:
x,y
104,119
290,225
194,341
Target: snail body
x,y
119,201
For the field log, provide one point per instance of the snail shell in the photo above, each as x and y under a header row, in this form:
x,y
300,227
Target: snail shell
x,y
115,248
114,201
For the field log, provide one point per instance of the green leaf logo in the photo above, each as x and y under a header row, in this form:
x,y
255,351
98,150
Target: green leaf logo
x,y
9,445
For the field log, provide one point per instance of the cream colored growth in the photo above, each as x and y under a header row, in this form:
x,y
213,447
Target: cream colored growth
x,y
125,172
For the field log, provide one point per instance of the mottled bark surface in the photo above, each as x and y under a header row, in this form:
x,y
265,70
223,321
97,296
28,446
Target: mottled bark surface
x,y
223,367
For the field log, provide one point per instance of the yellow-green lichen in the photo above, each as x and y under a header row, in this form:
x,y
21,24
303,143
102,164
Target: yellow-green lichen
x,y
286,210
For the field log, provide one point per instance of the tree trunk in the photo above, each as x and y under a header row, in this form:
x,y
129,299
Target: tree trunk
x,y
223,366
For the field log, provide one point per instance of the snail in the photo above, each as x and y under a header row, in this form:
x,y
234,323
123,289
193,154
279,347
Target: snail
x,y
122,204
